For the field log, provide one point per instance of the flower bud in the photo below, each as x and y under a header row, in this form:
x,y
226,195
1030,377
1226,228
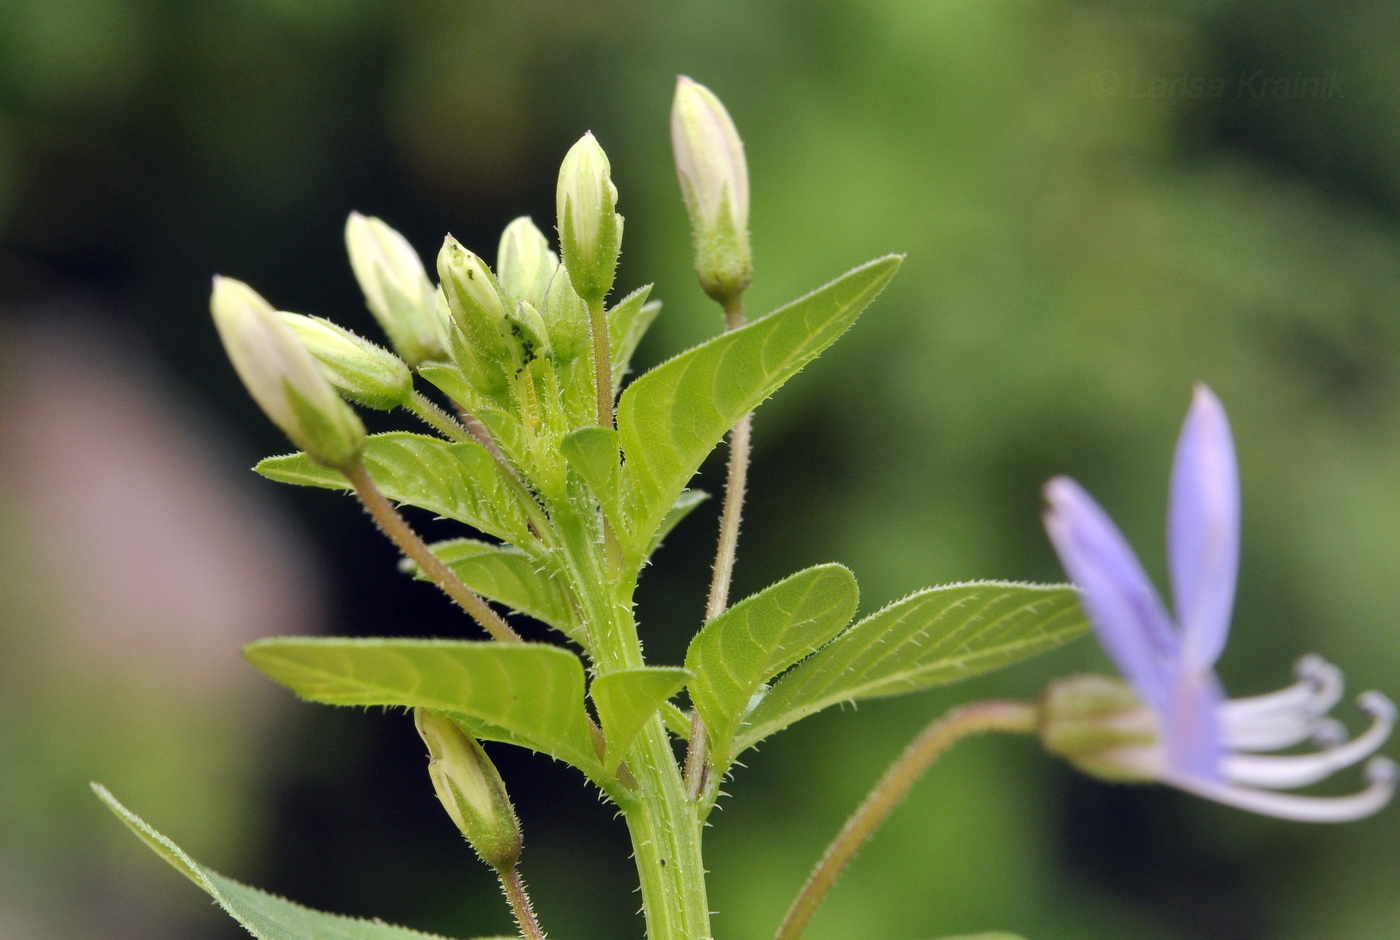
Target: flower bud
x,y
530,331
714,181
479,312
1100,726
470,789
397,289
524,262
364,372
590,230
567,316
282,376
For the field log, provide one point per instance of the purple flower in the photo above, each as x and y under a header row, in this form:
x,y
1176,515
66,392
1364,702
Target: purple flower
x,y
1204,743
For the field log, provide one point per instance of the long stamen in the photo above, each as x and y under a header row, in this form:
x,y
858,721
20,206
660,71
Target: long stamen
x,y
1299,770
1287,717
1380,773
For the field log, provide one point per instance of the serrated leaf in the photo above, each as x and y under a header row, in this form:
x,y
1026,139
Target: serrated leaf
x,y
264,915
687,501
934,637
627,324
736,653
507,575
676,719
593,454
672,417
457,481
529,694
626,700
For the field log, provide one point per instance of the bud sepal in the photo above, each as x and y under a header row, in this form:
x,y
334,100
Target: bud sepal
x,y
364,372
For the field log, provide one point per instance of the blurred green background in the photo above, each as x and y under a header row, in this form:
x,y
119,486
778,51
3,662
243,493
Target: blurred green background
x,y
1102,203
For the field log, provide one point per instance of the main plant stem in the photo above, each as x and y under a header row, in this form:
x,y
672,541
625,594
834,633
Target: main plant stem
x,y
730,518
943,733
401,534
662,822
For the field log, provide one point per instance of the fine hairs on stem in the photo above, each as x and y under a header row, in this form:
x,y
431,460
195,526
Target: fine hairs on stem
x,y
731,516
392,524
943,733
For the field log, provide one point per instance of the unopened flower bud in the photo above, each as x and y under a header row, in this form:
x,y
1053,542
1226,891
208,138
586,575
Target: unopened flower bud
x,y
590,230
530,331
479,312
567,316
714,181
283,378
396,287
524,262
1100,726
470,789
365,373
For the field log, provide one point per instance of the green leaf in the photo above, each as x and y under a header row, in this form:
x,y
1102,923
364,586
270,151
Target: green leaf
x,y
509,576
593,454
627,699
529,694
934,637
672,417
627,324
676,719
458,481
265,916
681,508
736,653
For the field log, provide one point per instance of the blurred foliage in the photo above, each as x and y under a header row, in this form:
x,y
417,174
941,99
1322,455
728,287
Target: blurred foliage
x,y
1082,249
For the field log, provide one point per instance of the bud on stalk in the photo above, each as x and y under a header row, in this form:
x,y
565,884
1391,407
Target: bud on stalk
x,y
524,262
396,287
1100,726
590,230
283,378
714,180
364,372
470,789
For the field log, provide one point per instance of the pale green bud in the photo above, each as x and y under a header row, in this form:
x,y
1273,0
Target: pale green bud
x,y
396,287
479,311
365,373
530,331
714,181
567,316
283,378
470,789
1100,726
524,262
590,230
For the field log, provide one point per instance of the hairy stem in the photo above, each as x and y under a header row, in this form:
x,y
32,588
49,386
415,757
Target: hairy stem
x,y
392,524
1013,717
514,887
735,487
437,419
602,361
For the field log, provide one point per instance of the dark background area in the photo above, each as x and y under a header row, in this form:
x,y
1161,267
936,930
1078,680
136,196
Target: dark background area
x,y
1102,204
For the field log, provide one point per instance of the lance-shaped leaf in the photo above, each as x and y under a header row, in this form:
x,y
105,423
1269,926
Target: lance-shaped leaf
x,y
627,699
265,916
529,694
756,639
458,481
593,454
627,324
934,637
672,417
511,577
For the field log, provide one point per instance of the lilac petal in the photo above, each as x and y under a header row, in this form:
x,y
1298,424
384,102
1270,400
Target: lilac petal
x,y
1125,609
1191,731
1203,530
